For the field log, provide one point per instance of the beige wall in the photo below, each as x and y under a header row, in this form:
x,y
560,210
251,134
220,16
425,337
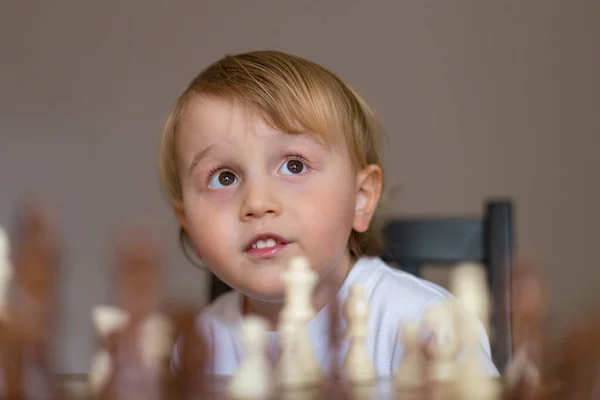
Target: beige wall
x,y
479,98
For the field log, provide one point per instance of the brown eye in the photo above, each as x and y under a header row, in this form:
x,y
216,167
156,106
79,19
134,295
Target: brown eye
x,y
294,167
221,179
226,178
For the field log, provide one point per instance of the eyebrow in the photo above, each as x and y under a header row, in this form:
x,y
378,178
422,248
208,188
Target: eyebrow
x,y
199,156
204,153
311,137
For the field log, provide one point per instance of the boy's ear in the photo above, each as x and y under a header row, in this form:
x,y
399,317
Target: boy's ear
x,y
180,214
369,183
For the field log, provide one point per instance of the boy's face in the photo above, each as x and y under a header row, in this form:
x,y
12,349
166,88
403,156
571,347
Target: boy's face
x,y
254,197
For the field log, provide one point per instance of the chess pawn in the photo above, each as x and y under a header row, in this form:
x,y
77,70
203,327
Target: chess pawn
x,y
410,373
252,379
442,346
358,367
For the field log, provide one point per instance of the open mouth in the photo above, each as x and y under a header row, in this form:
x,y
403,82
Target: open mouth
x,y
261,244
266,245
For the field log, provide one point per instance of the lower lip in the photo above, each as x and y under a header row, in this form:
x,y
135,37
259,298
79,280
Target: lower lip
x,y
267,252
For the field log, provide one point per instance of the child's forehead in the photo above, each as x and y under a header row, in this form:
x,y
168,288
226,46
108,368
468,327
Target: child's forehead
x,y
215,116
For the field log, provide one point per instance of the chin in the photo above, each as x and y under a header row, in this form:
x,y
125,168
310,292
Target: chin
x,y
264,292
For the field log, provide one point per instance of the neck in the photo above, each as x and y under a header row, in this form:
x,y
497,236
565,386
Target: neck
x,y
326,289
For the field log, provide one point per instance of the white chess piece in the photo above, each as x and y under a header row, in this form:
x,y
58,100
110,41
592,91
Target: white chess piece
x,y
469,285
358,367
6,273
156,341
299,282
410,373
99,371
290,371
252,380
106,319
443,344
297,366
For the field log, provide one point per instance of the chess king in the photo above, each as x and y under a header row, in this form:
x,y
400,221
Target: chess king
x,y
265,157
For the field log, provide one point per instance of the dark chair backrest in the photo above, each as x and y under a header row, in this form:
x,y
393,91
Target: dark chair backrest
x,y
412,243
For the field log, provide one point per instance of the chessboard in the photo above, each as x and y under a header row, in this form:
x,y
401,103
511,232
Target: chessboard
x,y
135,337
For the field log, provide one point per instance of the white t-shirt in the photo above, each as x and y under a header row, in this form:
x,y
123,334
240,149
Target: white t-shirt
x,y
394,296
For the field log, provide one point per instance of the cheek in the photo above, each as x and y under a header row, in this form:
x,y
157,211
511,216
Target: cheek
x,y
210,230
327,214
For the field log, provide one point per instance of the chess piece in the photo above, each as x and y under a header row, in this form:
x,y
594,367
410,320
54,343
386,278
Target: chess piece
x,y
442,345
100,371
469,285
34,301
572,369
137,340
11,356
522,371
36,269
334,387
358,366
106,320
411,372
297,366
6,273
194,357
252,379
528,302
156,341
290,368
335,340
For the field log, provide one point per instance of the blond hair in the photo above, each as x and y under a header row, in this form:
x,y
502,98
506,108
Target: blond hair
x,y
293,95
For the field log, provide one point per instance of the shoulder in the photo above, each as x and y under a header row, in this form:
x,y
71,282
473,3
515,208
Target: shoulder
x,y
394,290
394,297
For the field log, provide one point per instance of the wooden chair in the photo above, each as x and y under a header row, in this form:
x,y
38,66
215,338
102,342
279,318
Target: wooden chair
x,y
412,243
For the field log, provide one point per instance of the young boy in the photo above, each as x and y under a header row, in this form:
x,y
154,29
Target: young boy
x,y
267,156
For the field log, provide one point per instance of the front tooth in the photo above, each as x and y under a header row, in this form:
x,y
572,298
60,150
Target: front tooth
x,y
271,242
261,244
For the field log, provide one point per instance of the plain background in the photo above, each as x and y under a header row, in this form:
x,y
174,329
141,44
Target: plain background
x,y
479,98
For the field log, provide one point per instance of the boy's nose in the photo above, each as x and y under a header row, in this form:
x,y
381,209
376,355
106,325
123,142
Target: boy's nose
x,y
258,202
